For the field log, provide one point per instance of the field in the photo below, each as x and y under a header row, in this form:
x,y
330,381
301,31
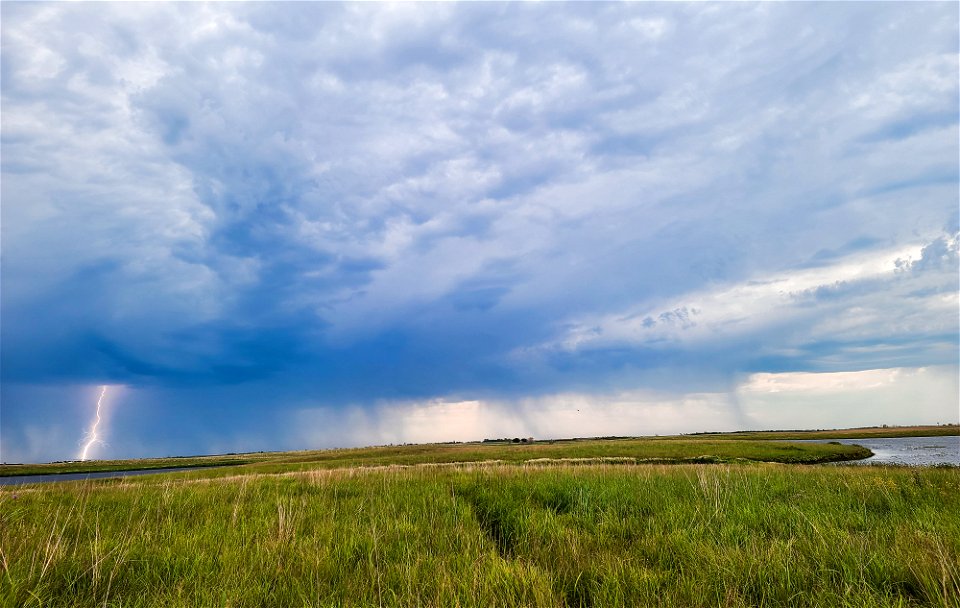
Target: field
x,y
543,534
93,466
682,521
662,449
666,449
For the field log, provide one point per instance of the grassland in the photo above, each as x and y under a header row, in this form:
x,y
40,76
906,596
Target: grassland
x,y
663,450
93,466
489,535
613,522
675,448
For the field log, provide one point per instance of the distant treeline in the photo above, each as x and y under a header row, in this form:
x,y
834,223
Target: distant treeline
x,y
858,428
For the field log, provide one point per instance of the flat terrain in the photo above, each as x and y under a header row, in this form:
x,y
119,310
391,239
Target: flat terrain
x,y
540,534
664,450
681,521
92,466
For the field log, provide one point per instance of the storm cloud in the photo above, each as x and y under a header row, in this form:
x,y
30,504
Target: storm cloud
x,y
245,212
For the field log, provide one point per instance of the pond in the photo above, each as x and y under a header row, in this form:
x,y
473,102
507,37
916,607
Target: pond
x,y
914,451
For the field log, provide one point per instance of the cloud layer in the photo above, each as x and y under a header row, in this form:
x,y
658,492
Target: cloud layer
x,y
271,206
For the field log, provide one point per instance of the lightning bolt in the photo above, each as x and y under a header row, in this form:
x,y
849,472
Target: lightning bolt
x,y
92,435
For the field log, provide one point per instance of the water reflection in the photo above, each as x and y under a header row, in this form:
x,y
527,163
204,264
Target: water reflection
x,y
22,479
914,451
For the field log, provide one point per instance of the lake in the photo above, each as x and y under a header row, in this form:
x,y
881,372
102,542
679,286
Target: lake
x,y
914,451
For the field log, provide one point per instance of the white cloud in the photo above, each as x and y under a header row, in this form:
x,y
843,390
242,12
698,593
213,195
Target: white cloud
x,y
201,193
762,401
552,416
865,398
875,301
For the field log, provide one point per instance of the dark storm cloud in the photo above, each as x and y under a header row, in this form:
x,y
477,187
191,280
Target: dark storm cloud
x,y
352,202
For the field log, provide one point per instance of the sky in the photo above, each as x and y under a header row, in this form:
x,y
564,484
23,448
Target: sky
x,y
307,225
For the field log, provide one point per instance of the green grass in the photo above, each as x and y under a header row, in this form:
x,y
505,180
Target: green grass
x,y
663,448
492,535
676,449
94,466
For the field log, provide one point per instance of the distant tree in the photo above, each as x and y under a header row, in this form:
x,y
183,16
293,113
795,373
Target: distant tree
x,y
516,440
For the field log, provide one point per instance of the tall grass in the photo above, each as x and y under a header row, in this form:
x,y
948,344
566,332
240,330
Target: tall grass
x,y
501,535
628,450
664,449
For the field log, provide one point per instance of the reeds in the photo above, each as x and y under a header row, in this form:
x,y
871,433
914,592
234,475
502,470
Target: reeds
x,y
567,534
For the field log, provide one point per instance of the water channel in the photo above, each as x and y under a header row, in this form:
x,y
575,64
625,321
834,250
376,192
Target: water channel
x,y
14,480
913,451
